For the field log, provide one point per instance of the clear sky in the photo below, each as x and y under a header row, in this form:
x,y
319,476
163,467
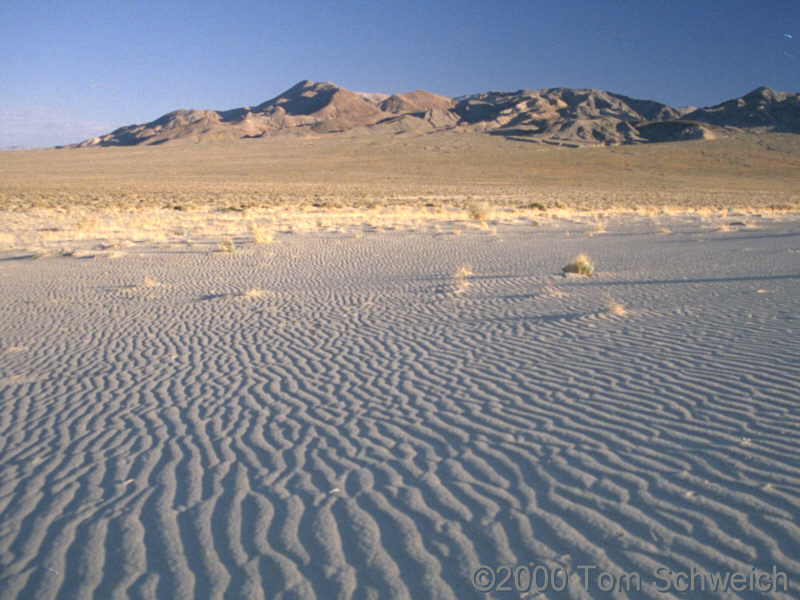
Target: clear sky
x,y
76,68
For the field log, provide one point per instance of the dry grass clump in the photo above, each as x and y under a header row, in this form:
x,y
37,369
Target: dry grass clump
x,y
253,293
261,235
477,211
580,265
226,245
37,253
460,279
87,224
77,253
534,206
464,270
612,307
150,283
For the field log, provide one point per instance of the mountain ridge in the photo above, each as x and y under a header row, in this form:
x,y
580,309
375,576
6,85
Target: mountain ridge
x,y
558,116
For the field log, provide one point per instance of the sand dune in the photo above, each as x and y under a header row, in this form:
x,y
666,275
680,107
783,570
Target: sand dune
x,y
357,429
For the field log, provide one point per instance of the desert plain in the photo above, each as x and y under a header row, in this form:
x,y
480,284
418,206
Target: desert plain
x,y
351,367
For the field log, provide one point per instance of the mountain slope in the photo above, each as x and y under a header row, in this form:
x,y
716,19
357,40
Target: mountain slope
x,y
560,116
417,101
761,108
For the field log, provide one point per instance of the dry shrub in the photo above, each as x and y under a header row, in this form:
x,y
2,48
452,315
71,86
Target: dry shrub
x,y
253,293
477,211
261,235
87,223
580,265
612,307
226,246
460,279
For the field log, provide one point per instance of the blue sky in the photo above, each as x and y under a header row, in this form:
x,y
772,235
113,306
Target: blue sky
x,y
74,69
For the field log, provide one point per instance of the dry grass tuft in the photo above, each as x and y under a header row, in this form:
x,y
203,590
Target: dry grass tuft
x,y
79,253
612,307
226,246
477,211
253,293
460,279
43,253
580,265
150,283
261,235
87,224
464,270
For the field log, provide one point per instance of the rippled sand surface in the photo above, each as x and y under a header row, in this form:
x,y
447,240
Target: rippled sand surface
x,y
331,417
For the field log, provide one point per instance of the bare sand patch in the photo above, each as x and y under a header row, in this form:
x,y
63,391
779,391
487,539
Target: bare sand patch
x,y
353,433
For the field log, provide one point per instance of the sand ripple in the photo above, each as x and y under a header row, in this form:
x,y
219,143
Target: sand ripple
x,y
357,430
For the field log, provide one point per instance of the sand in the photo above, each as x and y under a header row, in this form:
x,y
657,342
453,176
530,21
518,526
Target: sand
x,y
327,416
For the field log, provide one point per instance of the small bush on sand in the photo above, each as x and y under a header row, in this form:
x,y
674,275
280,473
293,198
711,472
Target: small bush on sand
x,y
261,235
460,282
534,206
226,245
477,211
252,293
580,265
613,307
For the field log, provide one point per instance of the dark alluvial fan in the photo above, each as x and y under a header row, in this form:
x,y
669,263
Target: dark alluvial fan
x,y
558,116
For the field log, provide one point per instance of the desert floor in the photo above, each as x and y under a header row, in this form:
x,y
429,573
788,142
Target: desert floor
x,y
743,171
342,414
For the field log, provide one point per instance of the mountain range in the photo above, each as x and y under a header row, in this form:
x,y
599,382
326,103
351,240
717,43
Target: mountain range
x,y
559,116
